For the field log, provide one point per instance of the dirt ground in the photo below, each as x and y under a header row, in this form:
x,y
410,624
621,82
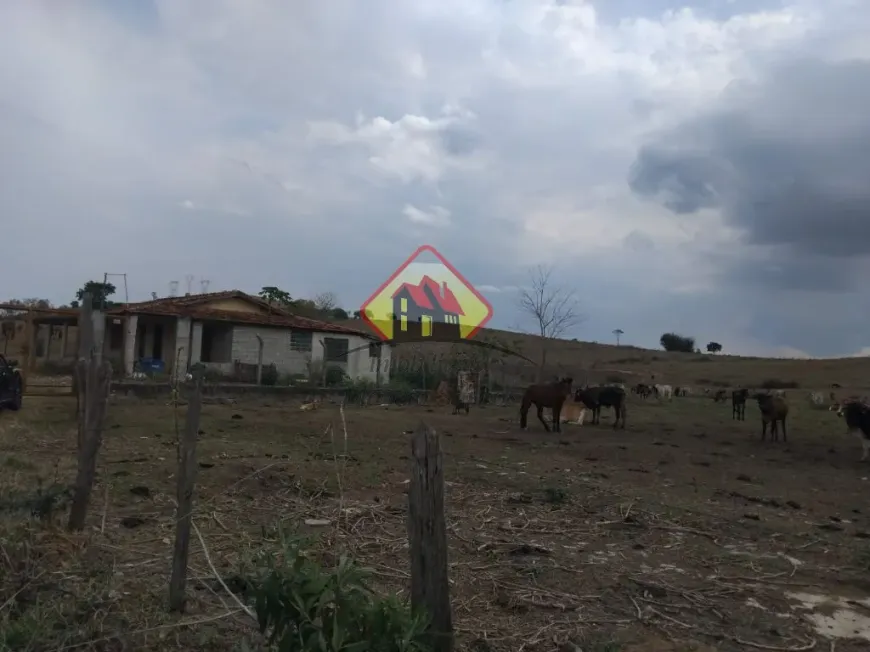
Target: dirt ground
x,y
682,532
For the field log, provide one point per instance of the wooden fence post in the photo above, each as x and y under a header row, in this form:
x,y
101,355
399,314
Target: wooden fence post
x,y
96,383
186,480
85,328
259,360
427,537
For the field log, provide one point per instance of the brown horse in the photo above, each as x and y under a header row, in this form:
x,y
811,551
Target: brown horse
x,y
552,395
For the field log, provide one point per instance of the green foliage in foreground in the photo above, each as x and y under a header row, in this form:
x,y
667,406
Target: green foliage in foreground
x,y
303,607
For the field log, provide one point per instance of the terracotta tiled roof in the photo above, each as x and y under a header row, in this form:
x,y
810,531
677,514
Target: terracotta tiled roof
x,y
195,306
199,299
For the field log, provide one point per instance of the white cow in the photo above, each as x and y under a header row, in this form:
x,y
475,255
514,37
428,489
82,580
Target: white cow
x,y
573,413
778,392
665,391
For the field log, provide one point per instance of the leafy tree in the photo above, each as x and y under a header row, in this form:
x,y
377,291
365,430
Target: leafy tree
x,y
339,313
714,347
99,291
679,343
619,333
275,295
30,302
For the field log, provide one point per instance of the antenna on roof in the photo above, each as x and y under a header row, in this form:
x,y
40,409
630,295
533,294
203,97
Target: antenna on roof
x,y
106,276
203,283
189,280
154,296
173,288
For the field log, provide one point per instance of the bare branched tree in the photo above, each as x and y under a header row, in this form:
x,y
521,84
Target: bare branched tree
x,y
553,309
326,301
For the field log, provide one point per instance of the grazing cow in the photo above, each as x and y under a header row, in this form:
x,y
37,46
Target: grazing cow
x,y
643,390
738,404
664,391
552,395
774,409
720,395
597,397
857,417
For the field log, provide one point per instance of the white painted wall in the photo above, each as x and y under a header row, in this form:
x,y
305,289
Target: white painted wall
x,y
277,351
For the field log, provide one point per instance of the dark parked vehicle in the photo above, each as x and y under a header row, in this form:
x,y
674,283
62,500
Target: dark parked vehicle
x,y
11,385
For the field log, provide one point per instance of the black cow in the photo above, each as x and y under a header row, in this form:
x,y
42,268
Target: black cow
x,y
738,404
643,390
596,398
857,417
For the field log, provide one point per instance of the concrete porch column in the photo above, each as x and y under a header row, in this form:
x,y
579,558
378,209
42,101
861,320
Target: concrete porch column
x,y
98,319
182,348
130,329
195,343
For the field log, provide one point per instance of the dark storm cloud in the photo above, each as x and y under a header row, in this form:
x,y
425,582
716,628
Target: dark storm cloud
x,y
785,160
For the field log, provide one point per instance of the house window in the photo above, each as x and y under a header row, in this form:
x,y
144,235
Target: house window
x,y
336,349
404,305
426,327
404,322
217,343
300,341
374,353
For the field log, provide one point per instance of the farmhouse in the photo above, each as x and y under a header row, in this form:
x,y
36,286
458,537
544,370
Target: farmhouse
x,y
425,310
221,330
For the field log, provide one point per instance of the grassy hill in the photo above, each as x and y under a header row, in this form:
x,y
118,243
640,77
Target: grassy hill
x,y
594,363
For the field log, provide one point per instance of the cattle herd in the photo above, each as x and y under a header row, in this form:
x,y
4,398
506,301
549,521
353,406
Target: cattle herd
x,y
569,405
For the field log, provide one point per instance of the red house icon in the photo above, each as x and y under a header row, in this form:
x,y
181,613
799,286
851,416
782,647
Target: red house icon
x,y
428,309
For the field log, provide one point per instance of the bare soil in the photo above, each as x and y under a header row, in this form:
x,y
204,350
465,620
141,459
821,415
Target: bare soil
x,y
682,532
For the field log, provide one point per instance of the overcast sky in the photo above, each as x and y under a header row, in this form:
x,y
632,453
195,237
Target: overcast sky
x,y
699,168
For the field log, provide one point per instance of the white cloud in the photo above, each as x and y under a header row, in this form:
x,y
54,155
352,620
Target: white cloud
x,y
249,143
437,216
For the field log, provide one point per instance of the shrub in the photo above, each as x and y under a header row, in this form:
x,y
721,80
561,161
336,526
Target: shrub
x,y
679,343
335,376
776,383
358,391
213,376
401,391
303,607
269,375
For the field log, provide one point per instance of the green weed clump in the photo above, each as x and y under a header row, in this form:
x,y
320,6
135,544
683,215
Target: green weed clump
x,y
304,607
